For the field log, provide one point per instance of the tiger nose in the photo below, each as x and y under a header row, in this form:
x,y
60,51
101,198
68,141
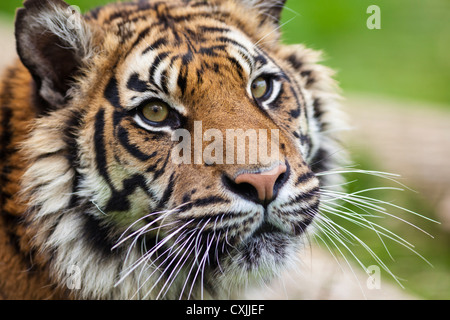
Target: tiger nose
x,y
264,183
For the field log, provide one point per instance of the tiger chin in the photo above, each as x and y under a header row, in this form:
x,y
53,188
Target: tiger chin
x,y
93,205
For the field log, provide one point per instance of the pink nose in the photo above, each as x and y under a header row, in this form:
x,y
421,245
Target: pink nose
x,y
263,182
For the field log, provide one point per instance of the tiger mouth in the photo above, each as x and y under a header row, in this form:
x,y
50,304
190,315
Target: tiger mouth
x,y
268,250
293,229
266,228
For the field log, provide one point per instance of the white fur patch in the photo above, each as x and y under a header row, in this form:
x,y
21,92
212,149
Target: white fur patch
x,y
68,25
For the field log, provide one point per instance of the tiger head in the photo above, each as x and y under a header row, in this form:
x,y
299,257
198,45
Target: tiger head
x,y
145,159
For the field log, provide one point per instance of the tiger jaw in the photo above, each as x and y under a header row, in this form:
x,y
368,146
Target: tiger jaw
x,y
258,259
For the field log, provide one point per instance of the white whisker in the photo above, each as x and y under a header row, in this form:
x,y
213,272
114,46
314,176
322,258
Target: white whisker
x,y
174,272
338,204
326,223
150,253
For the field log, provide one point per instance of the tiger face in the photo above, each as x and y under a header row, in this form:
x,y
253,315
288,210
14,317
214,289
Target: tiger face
x,y
116,89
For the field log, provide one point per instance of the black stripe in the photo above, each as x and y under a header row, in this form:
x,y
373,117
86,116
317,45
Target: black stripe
x,y
187,57
164,82
237,66
100,152
59,152
308,75
140,37
14,239
136,84
144,5
119,199
199,3
155,45
261,58
227,216
93,13
7,133
120,14
6,136
71,134
159,172
207,29
122,135
305,140
187,17
97,235
231,41
295,113
118,115
304,178
112,93
182,79
6,129
275,104
158,60
202,202
70,138
306,195
243,52
167,193
211,51
321,161
301,227
306,212
295,61
318,113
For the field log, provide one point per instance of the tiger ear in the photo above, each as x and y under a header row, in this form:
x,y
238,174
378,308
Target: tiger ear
x,y
53,41
270,8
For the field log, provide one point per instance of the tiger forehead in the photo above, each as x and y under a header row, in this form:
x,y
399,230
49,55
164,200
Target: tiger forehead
x,y
200,42
172,63
173,25
163,15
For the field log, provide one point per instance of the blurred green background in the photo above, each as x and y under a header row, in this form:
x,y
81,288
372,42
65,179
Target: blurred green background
x,y
408,59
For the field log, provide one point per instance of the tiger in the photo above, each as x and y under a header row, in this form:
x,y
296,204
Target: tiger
x,y
93,204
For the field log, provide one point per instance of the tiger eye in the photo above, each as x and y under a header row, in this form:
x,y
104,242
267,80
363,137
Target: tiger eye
x,y
259,88
156,111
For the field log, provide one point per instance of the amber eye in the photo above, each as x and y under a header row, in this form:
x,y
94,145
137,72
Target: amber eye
x,y
155,111
260,87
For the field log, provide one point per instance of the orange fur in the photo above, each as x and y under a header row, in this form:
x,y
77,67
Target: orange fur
x,y
22,275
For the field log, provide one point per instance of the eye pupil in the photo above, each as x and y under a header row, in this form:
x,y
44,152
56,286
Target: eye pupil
x,y
260,87
155,111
